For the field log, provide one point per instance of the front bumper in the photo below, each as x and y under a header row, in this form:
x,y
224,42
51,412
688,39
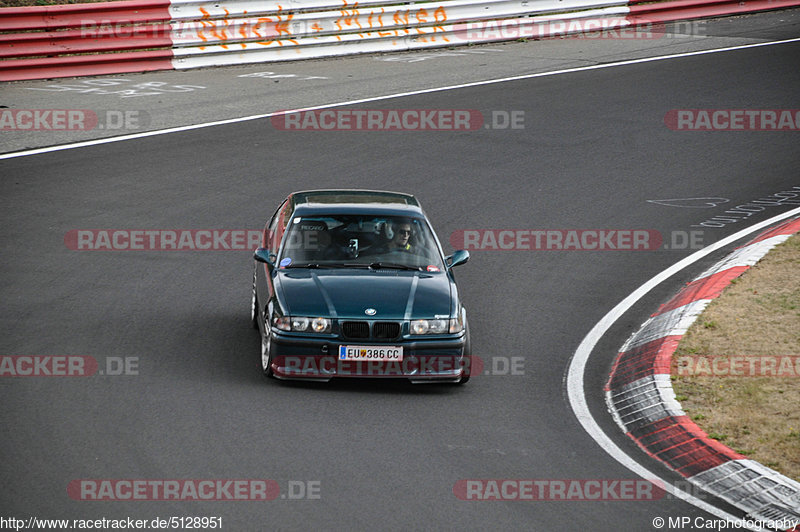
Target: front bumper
x,y
424,360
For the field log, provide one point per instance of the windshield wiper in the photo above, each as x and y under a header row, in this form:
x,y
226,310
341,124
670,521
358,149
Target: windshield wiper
x,y
326,265
373,266
393,266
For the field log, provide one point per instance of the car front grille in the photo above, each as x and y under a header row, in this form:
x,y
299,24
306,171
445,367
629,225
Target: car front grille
x,y
385,330
379,330
355,329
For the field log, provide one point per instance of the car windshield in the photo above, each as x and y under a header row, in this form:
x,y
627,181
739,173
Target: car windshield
x,y
360,241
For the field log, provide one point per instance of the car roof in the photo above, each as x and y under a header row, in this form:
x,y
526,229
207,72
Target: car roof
x,y
380,202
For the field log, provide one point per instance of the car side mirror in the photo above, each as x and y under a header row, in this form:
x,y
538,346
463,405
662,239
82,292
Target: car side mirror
x,y
263,255
459,257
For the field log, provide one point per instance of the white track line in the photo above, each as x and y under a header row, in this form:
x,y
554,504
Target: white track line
x,y
180,129
577,366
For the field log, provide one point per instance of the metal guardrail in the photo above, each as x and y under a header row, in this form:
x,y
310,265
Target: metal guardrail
x,y
142,35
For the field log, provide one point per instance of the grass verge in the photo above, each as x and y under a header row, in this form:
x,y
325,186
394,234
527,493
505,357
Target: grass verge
x,y
757,315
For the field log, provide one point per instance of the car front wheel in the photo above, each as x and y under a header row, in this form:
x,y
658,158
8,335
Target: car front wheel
x,y
254,304
266,356
468,356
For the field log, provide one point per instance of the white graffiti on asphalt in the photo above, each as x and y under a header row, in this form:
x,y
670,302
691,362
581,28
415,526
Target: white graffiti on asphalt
x,y
119,86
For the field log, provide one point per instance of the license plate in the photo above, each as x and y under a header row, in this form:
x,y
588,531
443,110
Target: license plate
x,y
371,352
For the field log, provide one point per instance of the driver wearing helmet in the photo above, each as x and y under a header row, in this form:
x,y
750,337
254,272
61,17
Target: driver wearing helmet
x,y
401,235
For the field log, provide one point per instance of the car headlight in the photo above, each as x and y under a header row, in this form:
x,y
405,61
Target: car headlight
x,y
457,324
452,325
283,323
302,324
299,324
321,325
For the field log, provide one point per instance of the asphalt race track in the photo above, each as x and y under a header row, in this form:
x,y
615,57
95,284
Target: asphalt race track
x,y
370,454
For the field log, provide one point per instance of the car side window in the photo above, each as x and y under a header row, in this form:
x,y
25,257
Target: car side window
x,y
284,215
276,228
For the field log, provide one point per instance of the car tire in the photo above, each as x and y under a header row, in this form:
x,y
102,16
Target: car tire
x,y
254,303
266,356
468,354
